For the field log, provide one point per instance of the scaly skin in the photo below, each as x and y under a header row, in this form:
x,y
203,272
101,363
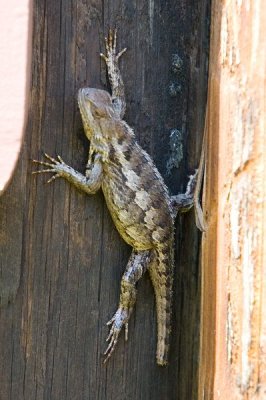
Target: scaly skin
x,y
136,196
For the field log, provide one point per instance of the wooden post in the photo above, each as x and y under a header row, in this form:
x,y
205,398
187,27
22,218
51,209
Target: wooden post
x,y
61,257
233,329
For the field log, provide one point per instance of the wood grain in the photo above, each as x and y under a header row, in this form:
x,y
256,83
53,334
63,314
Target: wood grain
x,y
233,348
59,247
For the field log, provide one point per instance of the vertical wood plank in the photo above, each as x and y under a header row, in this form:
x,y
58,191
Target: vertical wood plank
x,y
232,355
64,244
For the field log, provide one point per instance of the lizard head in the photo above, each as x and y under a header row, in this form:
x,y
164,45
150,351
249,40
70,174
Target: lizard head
x,y
94,105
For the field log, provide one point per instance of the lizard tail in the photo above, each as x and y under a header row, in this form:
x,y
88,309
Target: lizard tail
x,y
161,273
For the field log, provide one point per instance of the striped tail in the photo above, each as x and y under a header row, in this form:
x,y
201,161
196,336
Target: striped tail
x,y
161,273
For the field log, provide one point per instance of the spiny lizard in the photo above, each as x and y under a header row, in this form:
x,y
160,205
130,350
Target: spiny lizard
x,y
136,196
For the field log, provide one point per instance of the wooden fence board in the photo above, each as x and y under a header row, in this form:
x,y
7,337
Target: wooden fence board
x,y
63,245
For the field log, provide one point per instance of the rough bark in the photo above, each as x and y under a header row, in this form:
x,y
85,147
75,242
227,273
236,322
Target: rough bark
x,y
59,247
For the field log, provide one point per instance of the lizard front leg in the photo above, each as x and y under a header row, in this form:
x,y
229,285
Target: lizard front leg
x,y
111,59
136,267
89,184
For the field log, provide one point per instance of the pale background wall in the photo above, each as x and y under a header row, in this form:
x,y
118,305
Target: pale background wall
x,y
15,49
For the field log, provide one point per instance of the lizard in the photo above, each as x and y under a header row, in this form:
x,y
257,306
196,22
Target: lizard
x,y
135,193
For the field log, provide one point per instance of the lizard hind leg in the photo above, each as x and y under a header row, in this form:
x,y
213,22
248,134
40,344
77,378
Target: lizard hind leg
x,y
184,202
136,267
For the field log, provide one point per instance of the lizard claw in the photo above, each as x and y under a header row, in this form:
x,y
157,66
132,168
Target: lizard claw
x,y
112,337
111,321
110,47
53,164
50,158
110,40
121,52
53,178
113,340
114,37
117,322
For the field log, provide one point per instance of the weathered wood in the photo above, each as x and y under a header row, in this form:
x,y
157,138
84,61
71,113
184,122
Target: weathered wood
x,y
64,244
233,329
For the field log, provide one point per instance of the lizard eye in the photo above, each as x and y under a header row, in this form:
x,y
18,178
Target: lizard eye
x,y
96,110
97,113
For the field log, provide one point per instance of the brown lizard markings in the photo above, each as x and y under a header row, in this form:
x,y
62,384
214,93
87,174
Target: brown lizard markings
x,y
136,196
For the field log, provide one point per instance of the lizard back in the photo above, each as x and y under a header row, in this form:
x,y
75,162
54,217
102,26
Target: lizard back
x,y
135,193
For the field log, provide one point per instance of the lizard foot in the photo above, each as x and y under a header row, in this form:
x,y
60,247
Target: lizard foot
x,y
119,320
54,166
110,45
